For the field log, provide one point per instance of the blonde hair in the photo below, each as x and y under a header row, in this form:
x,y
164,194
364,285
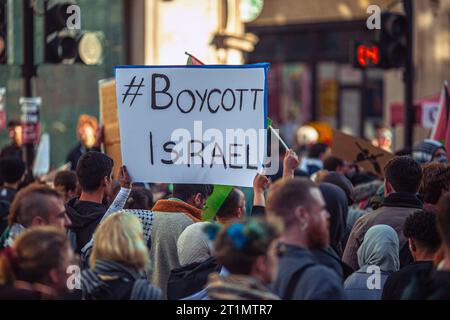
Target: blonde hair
x,y
120,238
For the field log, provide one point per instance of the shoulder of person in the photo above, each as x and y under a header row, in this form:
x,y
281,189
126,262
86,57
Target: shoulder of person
x,y
144,290
321,283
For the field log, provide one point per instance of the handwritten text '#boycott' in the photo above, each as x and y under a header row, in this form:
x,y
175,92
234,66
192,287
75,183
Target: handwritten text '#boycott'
x,y
189,100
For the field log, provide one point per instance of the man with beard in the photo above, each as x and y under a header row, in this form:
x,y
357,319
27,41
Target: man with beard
x,y
301,208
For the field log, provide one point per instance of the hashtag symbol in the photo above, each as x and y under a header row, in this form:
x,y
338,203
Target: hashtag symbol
x,y
135,93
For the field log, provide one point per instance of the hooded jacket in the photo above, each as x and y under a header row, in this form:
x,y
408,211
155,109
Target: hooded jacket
x,y
85,216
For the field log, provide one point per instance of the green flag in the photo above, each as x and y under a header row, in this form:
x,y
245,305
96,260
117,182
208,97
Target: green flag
x,y
215,201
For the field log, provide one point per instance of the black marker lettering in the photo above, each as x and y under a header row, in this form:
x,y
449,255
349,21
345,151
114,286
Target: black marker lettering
x,y
235,155
223,98
202,98
168,147
241,98
163,91
193,101
255,97
209,97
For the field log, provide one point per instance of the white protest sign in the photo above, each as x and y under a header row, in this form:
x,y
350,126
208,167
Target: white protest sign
x,y
193,124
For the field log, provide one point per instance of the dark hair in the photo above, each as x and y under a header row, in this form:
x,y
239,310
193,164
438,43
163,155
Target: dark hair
x,y
358,178
35,253
435,181
14,123
404,174
421,226
443,219
404,152
30,202
67,180
239,244
187,191
92,168
331,163
340,180
230,205
139,198
286,195
316,150
11,169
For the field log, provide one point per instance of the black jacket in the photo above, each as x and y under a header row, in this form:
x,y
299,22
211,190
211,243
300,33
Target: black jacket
x,y
434,285
190,279
397,282
85,217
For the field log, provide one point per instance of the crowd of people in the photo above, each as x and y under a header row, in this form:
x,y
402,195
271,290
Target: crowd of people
x,y
320,229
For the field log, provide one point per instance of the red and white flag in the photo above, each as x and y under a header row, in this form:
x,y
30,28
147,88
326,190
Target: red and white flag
x,y
441,130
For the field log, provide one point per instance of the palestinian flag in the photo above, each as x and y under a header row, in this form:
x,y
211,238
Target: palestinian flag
x,y
441,130
193,61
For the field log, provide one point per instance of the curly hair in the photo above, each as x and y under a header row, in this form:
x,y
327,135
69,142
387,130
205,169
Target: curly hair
x,y
422,227
435,182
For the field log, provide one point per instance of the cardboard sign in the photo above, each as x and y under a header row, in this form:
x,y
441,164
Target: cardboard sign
x,y
193,124
110,121
359,151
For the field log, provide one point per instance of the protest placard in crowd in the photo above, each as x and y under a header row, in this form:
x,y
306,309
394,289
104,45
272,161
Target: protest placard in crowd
x,y
193,124
110,121
359,151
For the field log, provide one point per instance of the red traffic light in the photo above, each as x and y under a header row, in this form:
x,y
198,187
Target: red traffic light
x,y
367,55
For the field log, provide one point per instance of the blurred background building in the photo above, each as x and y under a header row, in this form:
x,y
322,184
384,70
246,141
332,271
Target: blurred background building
x,y
308,43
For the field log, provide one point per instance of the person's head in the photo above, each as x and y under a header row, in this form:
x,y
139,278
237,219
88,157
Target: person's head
x,y
333,164
120,238
443,220
40,255
233,208
435,182
193,194
430,151
380,248
37,205
402,174
15,132
318,151
139,198
12,170
94,170
337,206
421,230
193,245
249,248
299,204
66,184
340,180
86,130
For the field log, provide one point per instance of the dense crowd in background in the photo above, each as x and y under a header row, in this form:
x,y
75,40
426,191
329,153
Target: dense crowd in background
x,y
319,229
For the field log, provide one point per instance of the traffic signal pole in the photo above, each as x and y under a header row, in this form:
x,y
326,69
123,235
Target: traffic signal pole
x,y
409,77
28,72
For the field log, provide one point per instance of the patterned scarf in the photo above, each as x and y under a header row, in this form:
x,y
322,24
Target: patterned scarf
x,y
237,287
95,279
